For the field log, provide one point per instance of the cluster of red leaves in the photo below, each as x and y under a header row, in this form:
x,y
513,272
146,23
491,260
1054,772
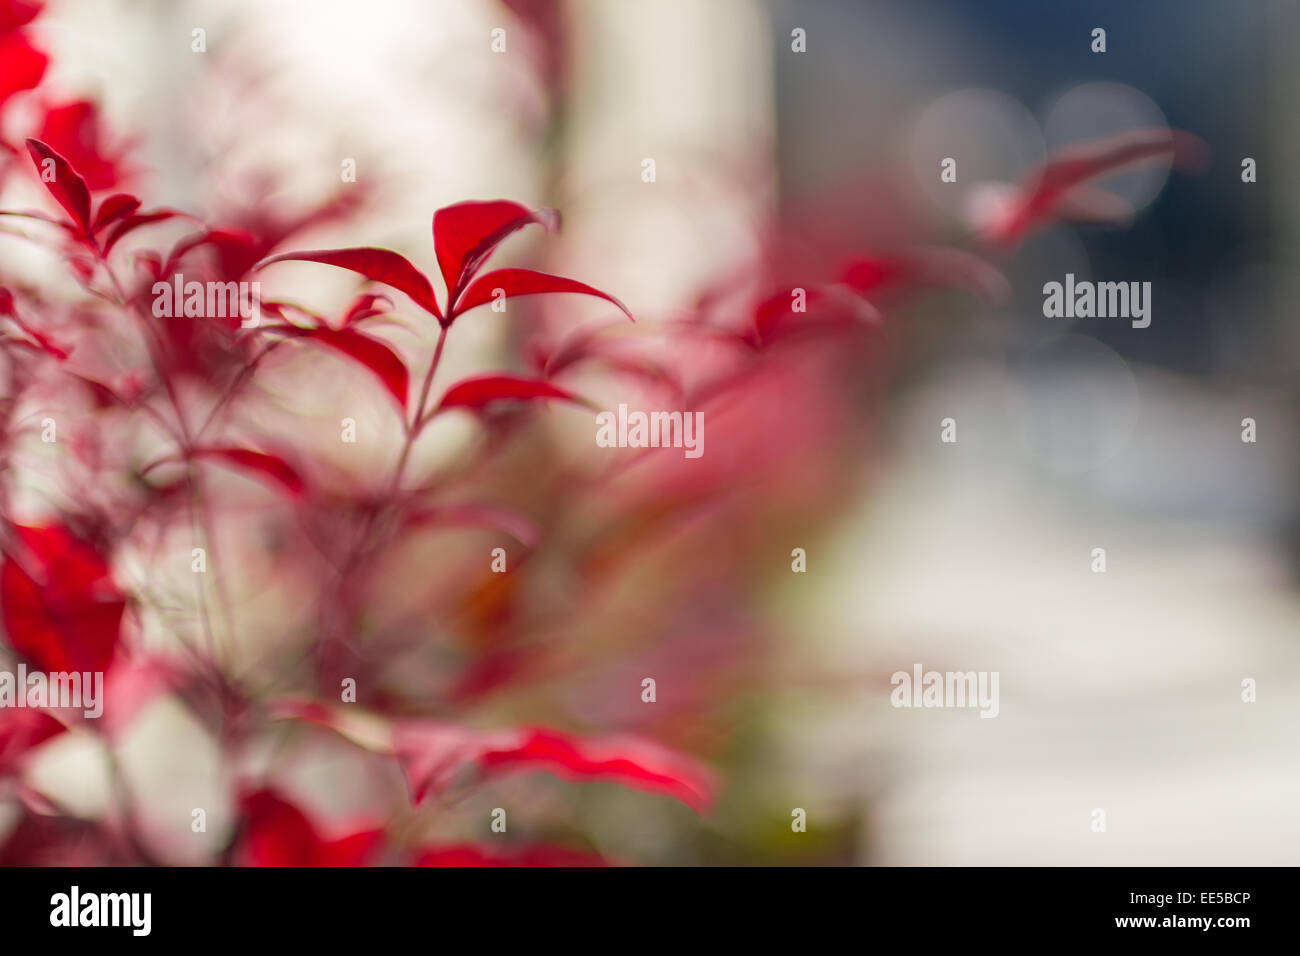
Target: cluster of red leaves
x,y
73,127
62,610
22,65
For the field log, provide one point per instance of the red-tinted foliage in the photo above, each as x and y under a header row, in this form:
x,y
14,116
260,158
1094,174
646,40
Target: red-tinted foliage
x,y
180,388
509,283
477,393
58,603
17,13
125,225
465,235
378,265
1045,195
23,730
64,183
925,268
21,65
277,833
379,358
366,306
467,854
112,209
75,131
38,338
433,756
273,467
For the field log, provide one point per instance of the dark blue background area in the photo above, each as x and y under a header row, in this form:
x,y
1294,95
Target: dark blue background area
x,y
1208,64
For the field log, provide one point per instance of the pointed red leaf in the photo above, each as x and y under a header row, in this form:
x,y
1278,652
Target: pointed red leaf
x,y
17,13
269,466
378,265
465,234
434,755
114,208
632,762
75,129
43,342
366,306
1042,196
238,240
475,393
58,603
516,282
21,65
772,313
278,310
68,188
277,833
236,251
375,355
930,267
129,224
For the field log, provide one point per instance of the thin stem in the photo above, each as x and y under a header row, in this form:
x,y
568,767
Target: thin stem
x,y
198,526
244,374
418,419
412,429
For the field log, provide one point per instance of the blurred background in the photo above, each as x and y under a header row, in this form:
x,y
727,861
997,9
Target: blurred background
x,y
773,160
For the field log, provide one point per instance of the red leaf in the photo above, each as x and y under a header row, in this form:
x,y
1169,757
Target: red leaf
x,y
378,265
516,282
467,854
16,13
269,466
370,352
131,223
74,129
114,208
465,234
22,730
929,267
21,65
68,188
366,306
433,755
44,342
236,251
775,311
101,394
57,600
475,393
278,310
277,833
1043,194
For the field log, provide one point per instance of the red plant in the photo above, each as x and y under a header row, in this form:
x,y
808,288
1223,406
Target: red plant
x,y
182,394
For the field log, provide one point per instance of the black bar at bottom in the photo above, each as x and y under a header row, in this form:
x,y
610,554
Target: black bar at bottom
x,y
330,907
